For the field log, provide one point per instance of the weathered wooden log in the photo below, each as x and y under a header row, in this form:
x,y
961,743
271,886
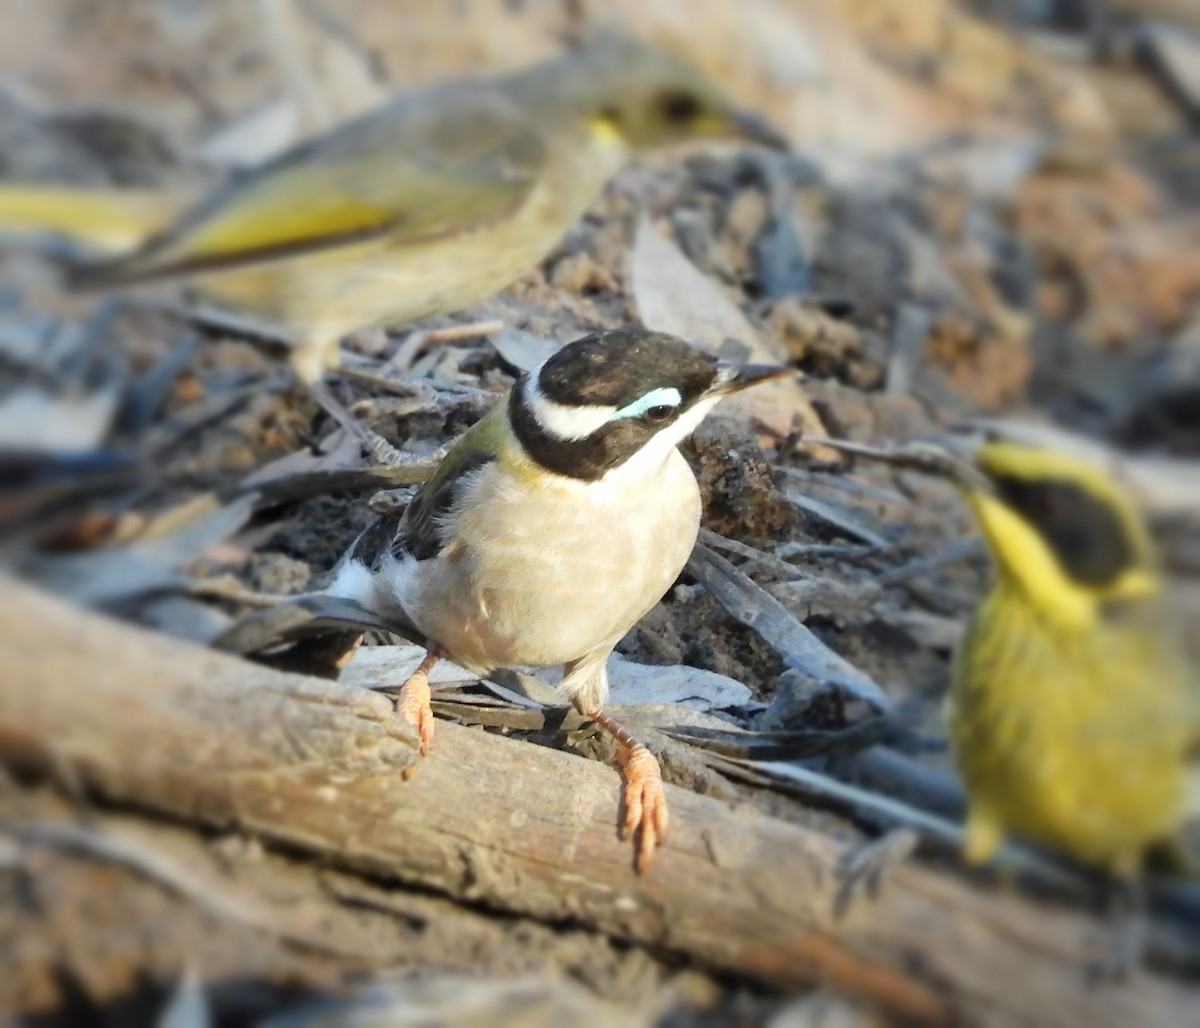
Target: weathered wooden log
x,y
149,722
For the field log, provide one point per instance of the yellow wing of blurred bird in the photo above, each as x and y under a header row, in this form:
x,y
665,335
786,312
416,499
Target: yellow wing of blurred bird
x,y
411,173
427,205
105,221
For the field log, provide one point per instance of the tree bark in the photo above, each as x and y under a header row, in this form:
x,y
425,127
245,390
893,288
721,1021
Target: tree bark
x,y
153,723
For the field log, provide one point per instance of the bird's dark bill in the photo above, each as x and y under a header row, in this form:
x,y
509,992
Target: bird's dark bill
x,y
732,378
755,129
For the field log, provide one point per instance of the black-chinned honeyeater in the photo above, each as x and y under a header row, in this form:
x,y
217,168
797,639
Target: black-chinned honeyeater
x,y
553,526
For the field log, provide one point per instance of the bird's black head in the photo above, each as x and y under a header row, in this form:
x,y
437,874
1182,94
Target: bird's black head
x,y
1079,512
605,398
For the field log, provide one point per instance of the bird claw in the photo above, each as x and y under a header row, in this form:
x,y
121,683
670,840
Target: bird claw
x,y
414,706
862,869
646,815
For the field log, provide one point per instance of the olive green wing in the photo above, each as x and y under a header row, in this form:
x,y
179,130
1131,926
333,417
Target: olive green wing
x,y
425,167
421,533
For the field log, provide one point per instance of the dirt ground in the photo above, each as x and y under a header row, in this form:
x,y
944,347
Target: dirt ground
x,y
982,217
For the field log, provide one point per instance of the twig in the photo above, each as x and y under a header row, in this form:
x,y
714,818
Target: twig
x,y
956,551
407,353
844,483
760,557
836,551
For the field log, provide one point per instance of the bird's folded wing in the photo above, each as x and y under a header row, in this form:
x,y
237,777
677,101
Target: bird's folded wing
x,y
409,172
423,532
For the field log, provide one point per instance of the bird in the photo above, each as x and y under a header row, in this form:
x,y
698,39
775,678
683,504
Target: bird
x,y
1073,711
551,528
424,206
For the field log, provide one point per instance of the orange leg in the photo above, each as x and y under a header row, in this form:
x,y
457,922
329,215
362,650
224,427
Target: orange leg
x,y
644,799
413,703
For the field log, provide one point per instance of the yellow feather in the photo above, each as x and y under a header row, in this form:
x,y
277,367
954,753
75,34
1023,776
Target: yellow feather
x,y
984,836
605,131
107,221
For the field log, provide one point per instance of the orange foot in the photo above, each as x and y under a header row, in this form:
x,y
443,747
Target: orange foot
x,y
413,703
645,801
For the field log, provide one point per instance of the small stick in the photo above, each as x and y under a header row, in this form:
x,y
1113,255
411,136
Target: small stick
x,y
418,341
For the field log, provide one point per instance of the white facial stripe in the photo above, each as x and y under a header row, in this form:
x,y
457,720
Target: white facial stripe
x,y
658,449
561,420
689,421
663,397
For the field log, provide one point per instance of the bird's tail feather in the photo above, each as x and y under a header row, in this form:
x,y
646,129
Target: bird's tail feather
x,y
102,222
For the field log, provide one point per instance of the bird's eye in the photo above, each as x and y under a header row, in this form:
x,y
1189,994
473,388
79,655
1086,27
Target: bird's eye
x,y
1043,502
659,413
679,108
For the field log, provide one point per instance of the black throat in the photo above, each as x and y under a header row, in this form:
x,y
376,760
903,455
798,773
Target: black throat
x,y
1085,533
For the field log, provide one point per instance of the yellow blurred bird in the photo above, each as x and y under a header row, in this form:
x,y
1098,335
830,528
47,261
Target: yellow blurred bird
x,y
1073,713
424,206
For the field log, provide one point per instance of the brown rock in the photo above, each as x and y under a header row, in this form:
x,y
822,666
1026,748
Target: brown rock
x,y
741,500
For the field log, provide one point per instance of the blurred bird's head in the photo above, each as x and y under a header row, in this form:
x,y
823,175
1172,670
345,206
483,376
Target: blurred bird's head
x,y
1060,527
642,96
620,399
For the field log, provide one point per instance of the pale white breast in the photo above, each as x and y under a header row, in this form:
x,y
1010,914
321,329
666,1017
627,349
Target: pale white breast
x,y
543,574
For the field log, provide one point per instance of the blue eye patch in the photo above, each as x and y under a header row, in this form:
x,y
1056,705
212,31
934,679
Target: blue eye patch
x,y
663,397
